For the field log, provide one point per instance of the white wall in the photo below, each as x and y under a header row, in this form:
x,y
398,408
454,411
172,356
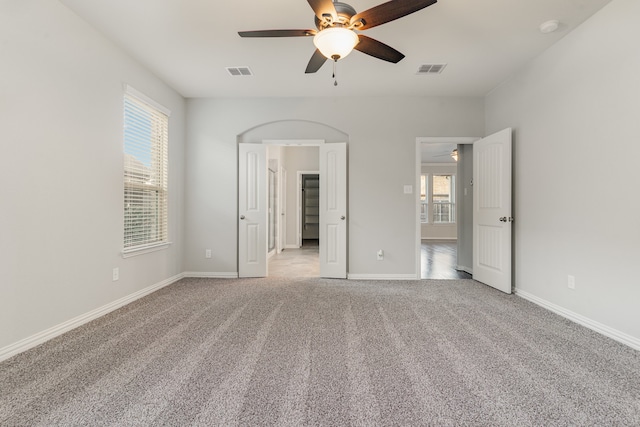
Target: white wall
x,y
381,152
61,170
437,231
575,110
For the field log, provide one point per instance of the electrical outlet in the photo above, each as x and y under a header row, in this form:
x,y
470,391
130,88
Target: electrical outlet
x,y
116,274
380,255
207,253
571,282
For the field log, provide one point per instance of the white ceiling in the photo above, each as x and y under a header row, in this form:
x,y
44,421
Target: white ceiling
x,y
437,152
188,44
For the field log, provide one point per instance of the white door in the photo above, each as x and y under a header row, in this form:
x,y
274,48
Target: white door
x,y
492,217
282,222
252,210
333,210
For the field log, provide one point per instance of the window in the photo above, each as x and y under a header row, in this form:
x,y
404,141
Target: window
x,y
443,199
424,192
146,138
437,199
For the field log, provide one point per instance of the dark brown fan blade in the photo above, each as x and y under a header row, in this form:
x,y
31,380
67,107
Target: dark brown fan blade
x,y
316,61
389,11
378,49
277,33
322,7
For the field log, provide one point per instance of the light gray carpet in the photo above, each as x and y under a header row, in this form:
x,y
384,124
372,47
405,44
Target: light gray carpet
x,y
309,351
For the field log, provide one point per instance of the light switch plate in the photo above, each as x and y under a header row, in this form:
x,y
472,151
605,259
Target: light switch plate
x,y
408,189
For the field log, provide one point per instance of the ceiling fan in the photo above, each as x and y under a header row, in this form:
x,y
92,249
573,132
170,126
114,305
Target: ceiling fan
x,y
453,154
337,23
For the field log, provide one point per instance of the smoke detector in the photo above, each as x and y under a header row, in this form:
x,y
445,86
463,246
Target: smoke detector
x,y
549,26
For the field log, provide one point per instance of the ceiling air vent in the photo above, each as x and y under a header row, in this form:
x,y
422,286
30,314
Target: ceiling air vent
x,y
239,71
431,68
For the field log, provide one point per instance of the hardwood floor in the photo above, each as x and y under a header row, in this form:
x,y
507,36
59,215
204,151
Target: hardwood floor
x,y
438,260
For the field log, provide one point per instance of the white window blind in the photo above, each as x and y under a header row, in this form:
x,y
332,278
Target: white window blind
x,y
146,138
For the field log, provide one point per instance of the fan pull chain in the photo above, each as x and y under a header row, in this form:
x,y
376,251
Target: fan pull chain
x,y
335,64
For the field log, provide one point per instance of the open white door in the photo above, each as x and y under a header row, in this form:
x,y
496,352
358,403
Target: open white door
x,y
333,210
282,201
252,210
492,210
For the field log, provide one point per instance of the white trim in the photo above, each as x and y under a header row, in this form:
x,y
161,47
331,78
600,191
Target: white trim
x,y
605,330
142,97
418,202
453,239
128,253
211,275
448,139
293,142
353,276
289,246
41,337
450,165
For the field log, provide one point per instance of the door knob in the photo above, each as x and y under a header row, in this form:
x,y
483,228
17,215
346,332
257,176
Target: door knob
x,y
343,217
241,216
503,219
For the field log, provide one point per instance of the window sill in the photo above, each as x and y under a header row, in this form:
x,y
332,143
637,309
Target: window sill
x,y
128,253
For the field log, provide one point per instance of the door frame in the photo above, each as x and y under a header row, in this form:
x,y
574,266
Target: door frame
x,y
432,140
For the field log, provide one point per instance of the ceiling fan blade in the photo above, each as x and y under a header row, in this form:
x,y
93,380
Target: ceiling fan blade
x,y
323,7
317,60
388,11
378,49
277,33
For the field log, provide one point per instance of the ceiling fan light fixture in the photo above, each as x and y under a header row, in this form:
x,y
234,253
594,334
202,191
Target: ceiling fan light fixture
x,y
336,42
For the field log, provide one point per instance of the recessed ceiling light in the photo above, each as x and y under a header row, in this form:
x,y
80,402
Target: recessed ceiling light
x,y
549,26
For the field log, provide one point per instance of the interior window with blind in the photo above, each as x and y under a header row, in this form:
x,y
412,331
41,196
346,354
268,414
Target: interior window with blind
x,y
146,139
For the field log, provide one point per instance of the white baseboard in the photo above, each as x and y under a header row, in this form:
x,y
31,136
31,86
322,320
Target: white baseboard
x,y
605,330
211,275
292,247
382,277
452,239
47,334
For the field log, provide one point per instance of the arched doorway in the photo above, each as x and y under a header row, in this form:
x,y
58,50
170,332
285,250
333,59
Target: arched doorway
x,y
261,168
